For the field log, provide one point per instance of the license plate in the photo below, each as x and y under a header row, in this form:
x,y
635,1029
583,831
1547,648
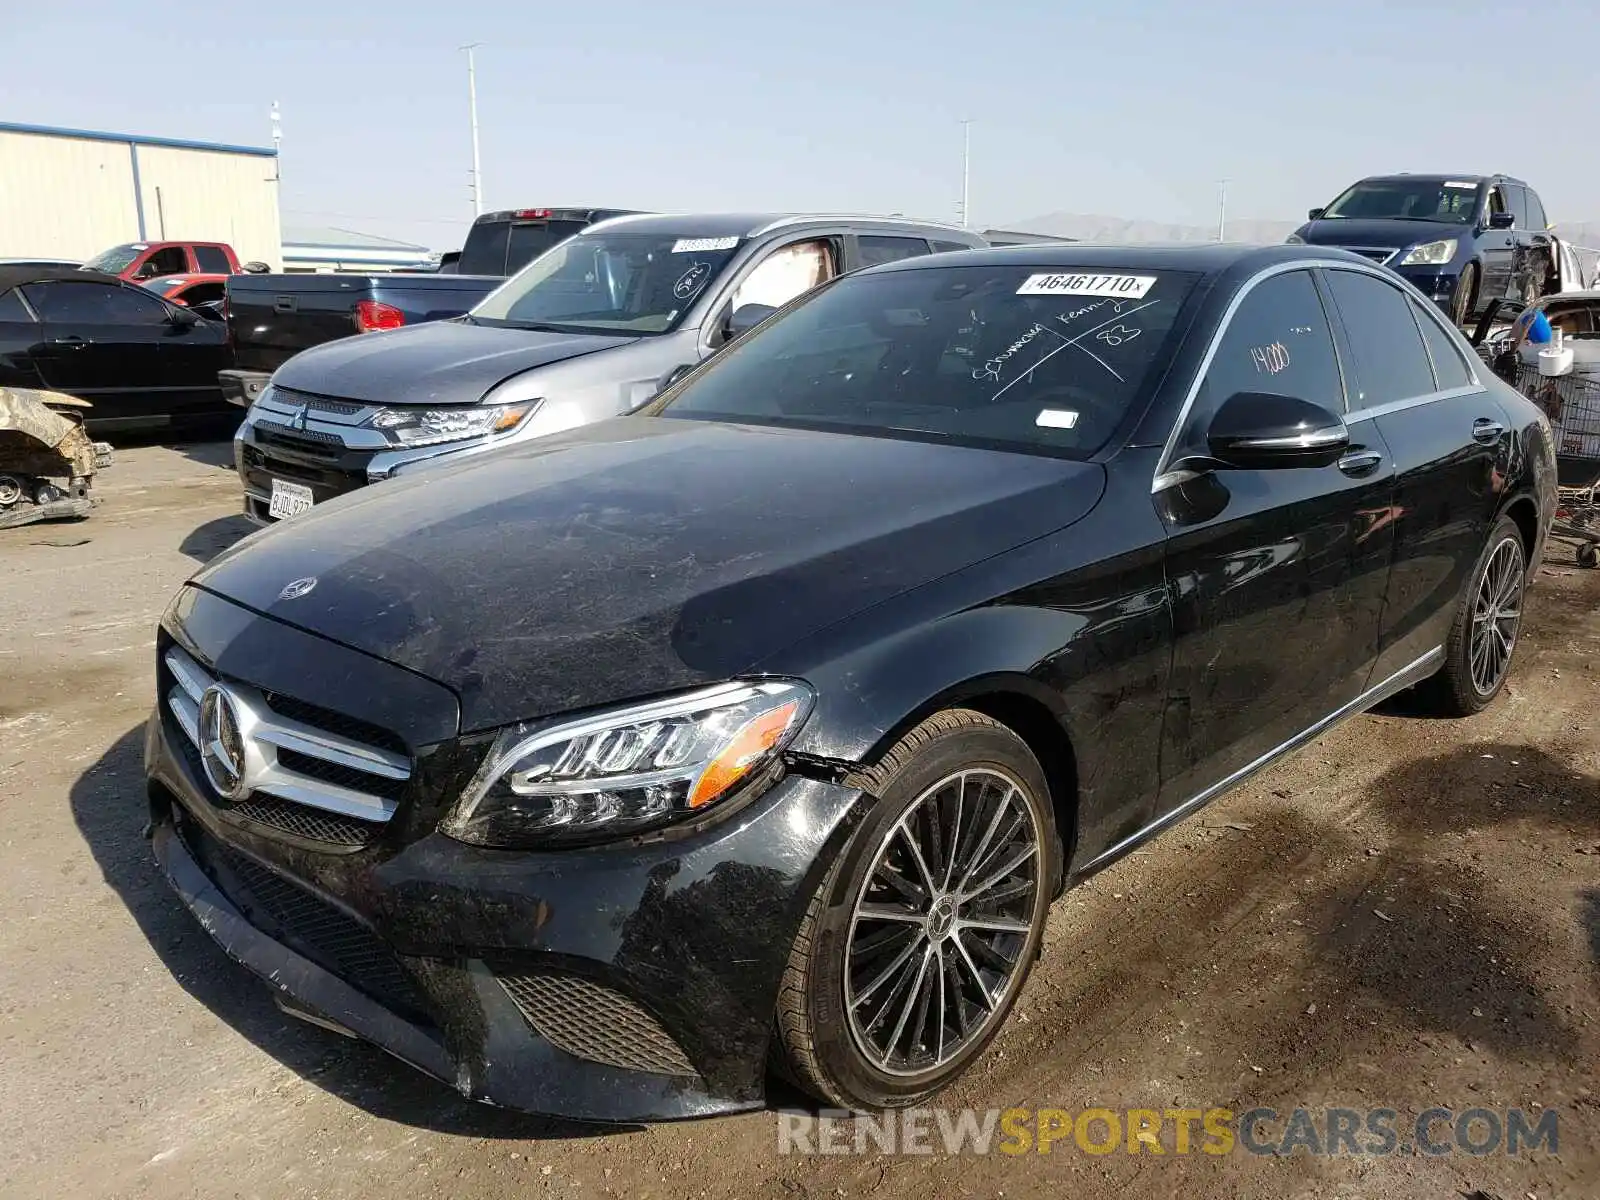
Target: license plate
x,y
288,500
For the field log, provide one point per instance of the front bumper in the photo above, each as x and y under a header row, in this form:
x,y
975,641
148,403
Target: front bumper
x,y
1436,283
624,983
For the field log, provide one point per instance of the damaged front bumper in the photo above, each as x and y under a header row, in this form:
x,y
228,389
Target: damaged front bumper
x,y
619,983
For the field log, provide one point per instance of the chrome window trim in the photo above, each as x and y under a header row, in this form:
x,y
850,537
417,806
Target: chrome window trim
x,y
1164,477
832,219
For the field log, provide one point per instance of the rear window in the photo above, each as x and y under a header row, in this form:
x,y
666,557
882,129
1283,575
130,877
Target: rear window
x,y
1043,359
505,247
211,260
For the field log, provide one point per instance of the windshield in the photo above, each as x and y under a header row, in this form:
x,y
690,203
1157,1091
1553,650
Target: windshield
x,y
1447,200
1014,357
609,283
114,260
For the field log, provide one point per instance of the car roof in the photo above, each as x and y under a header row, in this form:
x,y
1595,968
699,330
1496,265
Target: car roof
x,y
11,276
744,225
1463,177
1208,258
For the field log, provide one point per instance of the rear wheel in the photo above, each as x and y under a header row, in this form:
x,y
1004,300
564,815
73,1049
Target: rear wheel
x,y
892,991
1477,654
1461,301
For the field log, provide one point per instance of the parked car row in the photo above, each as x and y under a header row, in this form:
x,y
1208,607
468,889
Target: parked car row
x,y
763,722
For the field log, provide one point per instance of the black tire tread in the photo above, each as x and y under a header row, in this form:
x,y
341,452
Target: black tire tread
x,y
797,1061
1450,693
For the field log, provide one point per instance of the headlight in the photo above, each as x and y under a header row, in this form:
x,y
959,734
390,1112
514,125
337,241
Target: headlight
x,y
1430,254
1295,240
426,426
628,770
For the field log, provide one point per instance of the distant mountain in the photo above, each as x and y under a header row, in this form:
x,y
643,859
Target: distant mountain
x,y
1094,228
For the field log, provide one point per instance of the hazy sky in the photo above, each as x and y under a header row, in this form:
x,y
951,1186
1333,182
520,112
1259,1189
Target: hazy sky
x,y
1132,109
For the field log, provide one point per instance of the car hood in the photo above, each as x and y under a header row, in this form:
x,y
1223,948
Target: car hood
x,y
440,362
1355,231
639,555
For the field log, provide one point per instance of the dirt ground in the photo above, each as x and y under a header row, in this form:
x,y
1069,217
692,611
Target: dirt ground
x,y
1405,915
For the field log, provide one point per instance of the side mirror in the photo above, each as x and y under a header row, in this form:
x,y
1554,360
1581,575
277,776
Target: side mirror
x,y
182,318
1263,430
1315,213
256,268
746,317
1502,220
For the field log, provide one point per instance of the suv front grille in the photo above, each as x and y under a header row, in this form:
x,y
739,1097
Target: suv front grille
x,y
292,774
590,1021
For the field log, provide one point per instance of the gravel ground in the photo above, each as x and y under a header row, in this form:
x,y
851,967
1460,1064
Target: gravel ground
x,y
1404,915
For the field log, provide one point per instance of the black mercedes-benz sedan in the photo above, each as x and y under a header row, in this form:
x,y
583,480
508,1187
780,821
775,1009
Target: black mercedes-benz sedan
x,y
764,724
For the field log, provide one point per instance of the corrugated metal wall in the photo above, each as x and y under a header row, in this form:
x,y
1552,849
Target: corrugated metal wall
x,y
73,197
64,197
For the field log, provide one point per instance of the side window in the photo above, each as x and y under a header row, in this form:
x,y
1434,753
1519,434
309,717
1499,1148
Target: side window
x,y
1497,201
12,309
1536,218
946,247
785,273
1449,367
173,260
211,260
1278,341
876,250
1517,200
1386,348
65,303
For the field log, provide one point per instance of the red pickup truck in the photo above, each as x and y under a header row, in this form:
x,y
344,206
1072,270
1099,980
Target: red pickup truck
x,y
138,261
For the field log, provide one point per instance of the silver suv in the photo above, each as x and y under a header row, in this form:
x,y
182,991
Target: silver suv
x,y
592,328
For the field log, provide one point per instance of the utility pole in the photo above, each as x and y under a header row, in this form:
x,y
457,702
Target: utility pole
x,y
1222,210
472,101
277,143
966,174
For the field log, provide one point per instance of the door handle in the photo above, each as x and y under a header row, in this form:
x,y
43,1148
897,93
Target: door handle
x,y
1486,429
72,340
1359,462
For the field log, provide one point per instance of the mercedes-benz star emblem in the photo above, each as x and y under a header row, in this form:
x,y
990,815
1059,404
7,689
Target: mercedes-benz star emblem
x,y
221,744
298,588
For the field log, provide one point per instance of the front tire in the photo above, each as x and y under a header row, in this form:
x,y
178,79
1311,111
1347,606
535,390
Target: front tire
x,y
1483,637
916,944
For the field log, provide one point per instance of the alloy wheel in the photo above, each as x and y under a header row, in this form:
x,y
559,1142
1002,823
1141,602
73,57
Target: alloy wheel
x,y
1496,613
937,933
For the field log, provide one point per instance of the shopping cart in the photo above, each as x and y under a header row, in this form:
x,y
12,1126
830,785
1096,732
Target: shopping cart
x,y
1572,402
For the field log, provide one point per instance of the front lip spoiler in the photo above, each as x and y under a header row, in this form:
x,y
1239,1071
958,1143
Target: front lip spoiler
x,y
301,981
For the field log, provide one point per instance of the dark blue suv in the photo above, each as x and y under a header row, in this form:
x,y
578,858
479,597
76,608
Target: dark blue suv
x,y
1464,240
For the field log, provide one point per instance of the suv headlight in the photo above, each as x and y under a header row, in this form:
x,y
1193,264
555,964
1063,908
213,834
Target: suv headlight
x,y
427,426
1430,254
628,770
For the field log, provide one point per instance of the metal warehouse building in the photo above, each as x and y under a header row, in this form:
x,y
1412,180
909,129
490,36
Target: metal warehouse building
x,y
71,193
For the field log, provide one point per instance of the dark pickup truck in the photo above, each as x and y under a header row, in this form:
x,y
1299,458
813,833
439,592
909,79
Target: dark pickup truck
x,y
273,317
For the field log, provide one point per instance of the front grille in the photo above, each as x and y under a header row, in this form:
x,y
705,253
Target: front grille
x,y
592,1022
303,441
309,925
1375,253
341,775
298,775
309,823
314,403
333,722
